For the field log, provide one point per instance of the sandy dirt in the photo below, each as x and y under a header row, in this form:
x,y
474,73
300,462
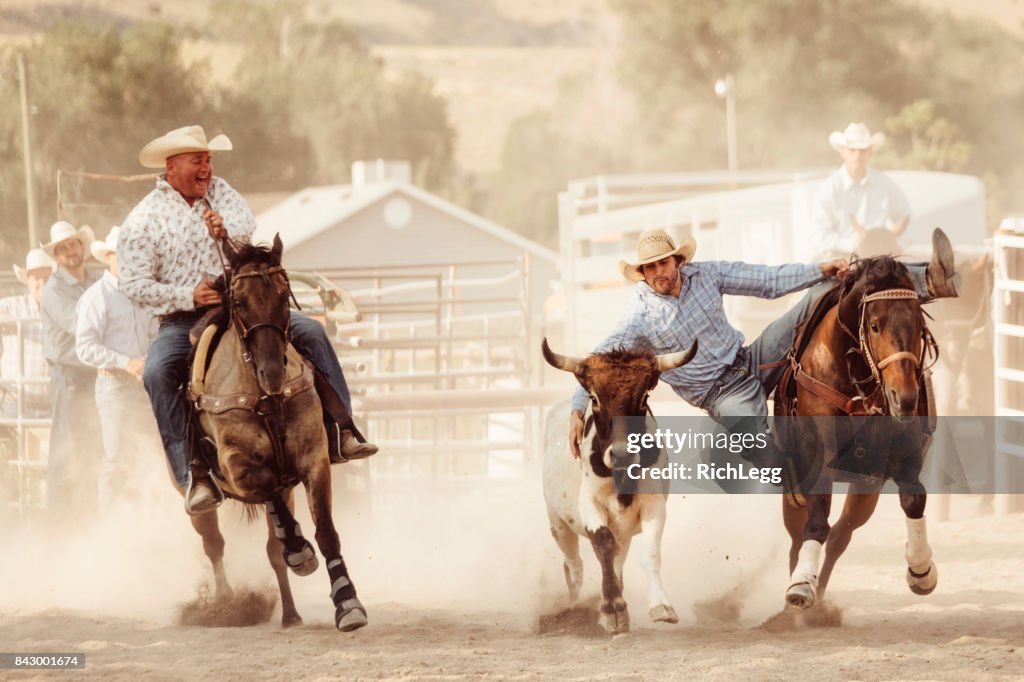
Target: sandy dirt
x,y
467,583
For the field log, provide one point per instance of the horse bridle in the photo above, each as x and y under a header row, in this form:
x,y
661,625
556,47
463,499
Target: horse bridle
x,y
245,330
863,350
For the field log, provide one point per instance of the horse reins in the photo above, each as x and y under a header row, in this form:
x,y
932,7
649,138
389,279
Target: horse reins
x,y
268,407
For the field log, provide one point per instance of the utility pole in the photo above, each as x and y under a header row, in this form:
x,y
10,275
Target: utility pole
x,y
26,141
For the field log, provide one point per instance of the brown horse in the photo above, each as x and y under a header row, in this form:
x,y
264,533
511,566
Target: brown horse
x,y
860,376
259,407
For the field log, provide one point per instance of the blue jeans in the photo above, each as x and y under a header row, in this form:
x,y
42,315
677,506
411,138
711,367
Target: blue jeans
x,y
166,374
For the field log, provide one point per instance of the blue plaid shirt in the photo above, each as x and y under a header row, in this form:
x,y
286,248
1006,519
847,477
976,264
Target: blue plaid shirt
x,y
671,324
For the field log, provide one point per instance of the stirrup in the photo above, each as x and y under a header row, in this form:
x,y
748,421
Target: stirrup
x,y
218,495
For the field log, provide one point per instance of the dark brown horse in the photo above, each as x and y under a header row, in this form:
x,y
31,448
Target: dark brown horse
x,y
259,406
860,375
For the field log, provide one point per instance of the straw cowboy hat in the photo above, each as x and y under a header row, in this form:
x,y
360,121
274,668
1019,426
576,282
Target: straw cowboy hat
x,y
652,246
181,141
856,136
102,249
34,260
62,231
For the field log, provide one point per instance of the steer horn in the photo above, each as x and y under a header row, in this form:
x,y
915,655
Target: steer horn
x,y
667,361
557,361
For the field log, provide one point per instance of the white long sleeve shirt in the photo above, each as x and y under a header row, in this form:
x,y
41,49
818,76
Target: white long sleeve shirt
x,y
164,249
111,330
876,201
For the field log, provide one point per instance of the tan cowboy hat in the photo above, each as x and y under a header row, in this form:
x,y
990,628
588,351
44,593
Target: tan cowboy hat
x,y
181,141
102,249
34,260
856,136
652,246
62,230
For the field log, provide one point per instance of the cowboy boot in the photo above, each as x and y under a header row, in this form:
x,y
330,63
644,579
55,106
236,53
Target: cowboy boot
x,y
202,494
344,446
942,280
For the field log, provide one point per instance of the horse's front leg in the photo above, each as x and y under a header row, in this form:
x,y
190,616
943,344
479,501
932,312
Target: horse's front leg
x,y
286,548
803,582
349,612
213,545
922,574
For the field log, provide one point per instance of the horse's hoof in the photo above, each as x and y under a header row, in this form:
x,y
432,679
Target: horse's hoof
x,y
615,622
663,613
801,595
292,620
923,583
350,615
303,562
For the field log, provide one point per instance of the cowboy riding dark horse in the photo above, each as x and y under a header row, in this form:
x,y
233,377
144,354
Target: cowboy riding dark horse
x,y
257,407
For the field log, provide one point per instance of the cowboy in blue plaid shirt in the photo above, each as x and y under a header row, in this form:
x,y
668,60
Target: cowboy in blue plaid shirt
x,y
677,301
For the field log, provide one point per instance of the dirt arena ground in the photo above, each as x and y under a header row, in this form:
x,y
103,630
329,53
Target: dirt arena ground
x,y
470,586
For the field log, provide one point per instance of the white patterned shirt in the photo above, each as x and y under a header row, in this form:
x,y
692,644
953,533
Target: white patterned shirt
x,y
669,324
875,202
111,330
164,249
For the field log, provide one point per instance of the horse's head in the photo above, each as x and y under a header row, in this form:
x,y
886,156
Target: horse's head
x,y
618,383
259,297
880,306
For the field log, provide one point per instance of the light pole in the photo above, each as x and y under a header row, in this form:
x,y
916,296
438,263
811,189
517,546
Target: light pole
x,y
26,141
725,89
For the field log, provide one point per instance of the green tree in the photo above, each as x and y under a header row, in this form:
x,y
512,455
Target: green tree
x,y
919,138
97,94
334,94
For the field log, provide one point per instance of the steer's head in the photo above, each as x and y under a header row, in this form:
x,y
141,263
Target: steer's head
x,y
618,382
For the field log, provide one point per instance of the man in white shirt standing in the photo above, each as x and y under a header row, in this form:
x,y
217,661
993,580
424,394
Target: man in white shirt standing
x,y
113,335
855,198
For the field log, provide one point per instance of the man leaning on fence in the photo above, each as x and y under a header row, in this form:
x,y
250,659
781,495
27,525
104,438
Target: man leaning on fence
x,y
24,391
72,474
169,259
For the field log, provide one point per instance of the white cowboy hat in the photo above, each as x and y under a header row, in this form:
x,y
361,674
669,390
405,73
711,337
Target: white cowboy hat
x,y
34,260
652,246
181,141
62,230
856,136
101,249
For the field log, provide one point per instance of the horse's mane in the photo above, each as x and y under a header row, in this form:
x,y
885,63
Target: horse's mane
x,y
258,254
877,273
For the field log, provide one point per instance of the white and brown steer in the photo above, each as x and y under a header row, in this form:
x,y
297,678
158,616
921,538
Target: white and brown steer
x,y
580,493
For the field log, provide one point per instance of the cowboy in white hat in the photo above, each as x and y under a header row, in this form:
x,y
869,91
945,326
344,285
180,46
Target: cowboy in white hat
x,y
74,447
21,347
38,268
678,300
113,335
855,199
168,264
